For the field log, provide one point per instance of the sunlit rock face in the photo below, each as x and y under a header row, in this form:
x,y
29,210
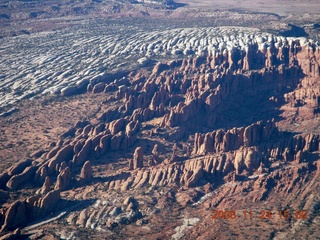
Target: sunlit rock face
x,y
86,56
140,132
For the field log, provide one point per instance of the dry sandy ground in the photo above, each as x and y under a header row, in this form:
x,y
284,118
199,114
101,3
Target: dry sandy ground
x,y
40,122
283,8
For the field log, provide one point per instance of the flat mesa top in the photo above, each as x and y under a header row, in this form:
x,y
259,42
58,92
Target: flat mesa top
x,y
283,7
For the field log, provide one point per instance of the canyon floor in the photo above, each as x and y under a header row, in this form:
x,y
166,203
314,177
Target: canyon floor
x,y
159,120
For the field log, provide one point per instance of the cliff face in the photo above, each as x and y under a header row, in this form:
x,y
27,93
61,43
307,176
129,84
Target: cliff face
x,y
219,161
263,68
233,139
20,213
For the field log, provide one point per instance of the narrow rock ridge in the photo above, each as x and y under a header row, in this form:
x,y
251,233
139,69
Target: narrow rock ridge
x,y
218,164
20,213
224,141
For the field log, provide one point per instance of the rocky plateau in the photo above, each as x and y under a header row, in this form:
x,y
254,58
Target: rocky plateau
x,y
114,127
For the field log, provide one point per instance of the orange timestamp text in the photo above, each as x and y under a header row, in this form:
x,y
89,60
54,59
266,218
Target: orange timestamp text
x,y
263,214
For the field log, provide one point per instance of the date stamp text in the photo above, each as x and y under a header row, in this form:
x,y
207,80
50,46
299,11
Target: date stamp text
x,y
262,214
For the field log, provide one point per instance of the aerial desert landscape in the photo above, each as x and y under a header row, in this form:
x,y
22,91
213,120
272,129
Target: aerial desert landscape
x,y
159,119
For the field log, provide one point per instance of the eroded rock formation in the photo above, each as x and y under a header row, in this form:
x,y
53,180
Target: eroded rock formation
x,y
86,172
20,213
63,180
224,141
45,187
138,158
204,100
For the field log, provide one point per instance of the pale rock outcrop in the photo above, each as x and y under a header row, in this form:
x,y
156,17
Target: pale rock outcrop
x,y
64,154
185,198
159,67
15,216
87,129
247,159
223,141
52,152
99,87
105,143
111,87
86,172
83,154
19,167
63,180
130,167
41,173
196,176
159,97
62,166
98,129
26,176
155,154
117,125
116,141
45,187
20,213
82,218
122,91
16,169
48,202
132,127
138,158
69,91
